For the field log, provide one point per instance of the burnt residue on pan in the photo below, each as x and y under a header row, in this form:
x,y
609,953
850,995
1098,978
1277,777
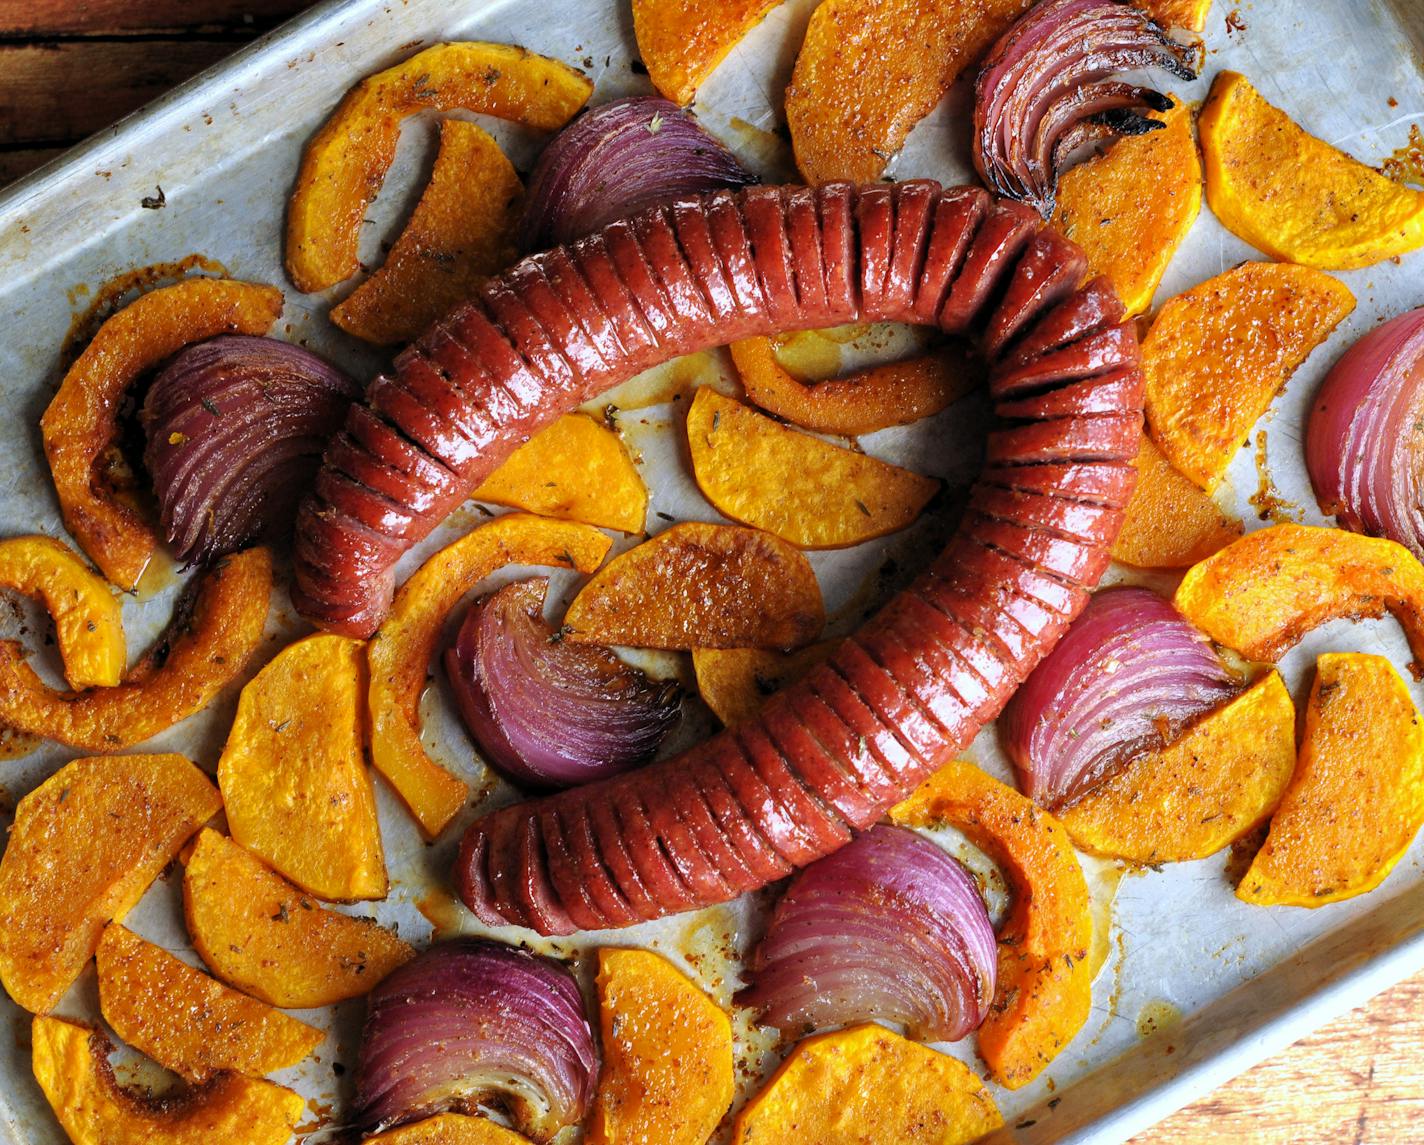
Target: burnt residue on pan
x,y
112,296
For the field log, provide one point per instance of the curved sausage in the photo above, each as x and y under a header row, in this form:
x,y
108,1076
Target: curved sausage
x,y
831,753
562,326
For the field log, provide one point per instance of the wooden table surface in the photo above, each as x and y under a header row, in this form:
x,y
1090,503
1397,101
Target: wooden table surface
x,y
69,67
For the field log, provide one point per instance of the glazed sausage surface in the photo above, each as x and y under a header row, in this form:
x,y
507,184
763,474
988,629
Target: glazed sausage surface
x,y
830,754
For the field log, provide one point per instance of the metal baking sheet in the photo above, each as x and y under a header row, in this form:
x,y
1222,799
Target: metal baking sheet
x,y
1195,986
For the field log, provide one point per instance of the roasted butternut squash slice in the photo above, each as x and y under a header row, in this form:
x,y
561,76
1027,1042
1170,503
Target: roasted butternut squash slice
x,y
1216,356
346,161
1188,14
701,586
85,845
1294,196
1045,982
667,1054
683,41
1356,800
1200,793
1170,522
576,470
449,1129
88,625
461,231
793,485
262,935
869,70
215,630
71,1063
293,771
188,1022
1261,594
735,682
895,393
866,1084
1126,234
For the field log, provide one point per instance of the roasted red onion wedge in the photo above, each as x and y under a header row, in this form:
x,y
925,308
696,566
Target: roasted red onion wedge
x,y
616,159
235,427
888,927
471,1023
1364,444
547,712
1127,678
1044,90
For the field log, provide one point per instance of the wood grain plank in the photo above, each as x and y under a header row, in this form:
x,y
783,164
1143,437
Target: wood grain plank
x,y
13,164
58,93
39,19
1356,1081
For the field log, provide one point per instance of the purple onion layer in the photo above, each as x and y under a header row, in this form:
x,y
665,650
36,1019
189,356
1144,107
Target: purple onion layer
x,y
617,159
1364,444
889,927
1129,675
235,427
1045,90
471,1023
546,712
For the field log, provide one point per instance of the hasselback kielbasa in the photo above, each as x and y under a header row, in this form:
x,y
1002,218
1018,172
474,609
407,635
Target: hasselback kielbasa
x,y
832,752
562,326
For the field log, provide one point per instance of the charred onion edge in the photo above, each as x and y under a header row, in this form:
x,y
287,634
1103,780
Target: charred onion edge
x,y
1044,91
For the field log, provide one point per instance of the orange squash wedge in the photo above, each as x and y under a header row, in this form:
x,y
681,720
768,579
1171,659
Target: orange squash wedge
x,y
1126,234
1045,980
1212,785
81,425
461,231
895,393
399,654
865,1084
667,1054
1216,356
701,586
71,1064
85,846
1261,594
683,41
1171,522
263,936
347,160
88,623
1294,196
293,771
793,485
1356,799
188,1022
214,633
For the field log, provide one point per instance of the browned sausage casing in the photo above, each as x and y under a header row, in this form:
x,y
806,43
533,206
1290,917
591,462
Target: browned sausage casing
x,y
830,754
